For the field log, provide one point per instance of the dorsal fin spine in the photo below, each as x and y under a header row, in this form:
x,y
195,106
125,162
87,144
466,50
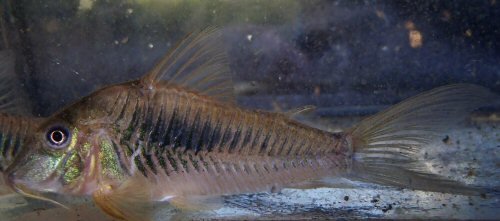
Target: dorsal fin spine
x,y
198,63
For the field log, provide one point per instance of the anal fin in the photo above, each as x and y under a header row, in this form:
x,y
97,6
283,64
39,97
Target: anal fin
x,y
325,183
197,203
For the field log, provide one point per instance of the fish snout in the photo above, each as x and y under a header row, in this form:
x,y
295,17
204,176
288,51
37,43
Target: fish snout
x,y
13,181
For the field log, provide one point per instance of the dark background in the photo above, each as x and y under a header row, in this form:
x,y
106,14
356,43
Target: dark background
x,y
349,58
346,57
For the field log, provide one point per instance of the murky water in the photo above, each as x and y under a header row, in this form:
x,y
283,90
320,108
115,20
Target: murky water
x,y
348,58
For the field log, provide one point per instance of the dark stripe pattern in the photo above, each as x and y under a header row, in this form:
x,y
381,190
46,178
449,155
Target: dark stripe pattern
x,y
13,132
173,131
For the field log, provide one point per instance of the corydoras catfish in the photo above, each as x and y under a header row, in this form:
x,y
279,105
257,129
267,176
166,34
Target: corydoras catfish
x,y
176,136
16,121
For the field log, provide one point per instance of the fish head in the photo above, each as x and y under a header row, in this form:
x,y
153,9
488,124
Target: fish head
x,y
51,159
62,154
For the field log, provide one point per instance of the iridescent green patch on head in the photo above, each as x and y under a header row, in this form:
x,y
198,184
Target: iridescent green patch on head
x,y
41,166
72,169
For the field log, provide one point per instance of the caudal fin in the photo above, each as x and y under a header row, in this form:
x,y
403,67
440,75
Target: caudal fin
x,y
386,146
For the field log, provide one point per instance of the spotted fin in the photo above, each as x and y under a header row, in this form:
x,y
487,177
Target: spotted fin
x,y
13,99
197,63
386,146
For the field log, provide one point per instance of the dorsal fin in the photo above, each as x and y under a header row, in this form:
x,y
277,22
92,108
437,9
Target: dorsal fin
x,y
197,63
13,100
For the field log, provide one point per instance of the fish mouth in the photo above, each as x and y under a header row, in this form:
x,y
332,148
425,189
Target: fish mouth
x,y
27,192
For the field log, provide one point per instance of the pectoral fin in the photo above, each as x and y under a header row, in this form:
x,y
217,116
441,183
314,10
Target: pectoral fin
x,y
130,201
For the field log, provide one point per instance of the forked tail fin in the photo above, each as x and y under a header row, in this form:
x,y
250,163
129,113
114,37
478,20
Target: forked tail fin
x,y
386,146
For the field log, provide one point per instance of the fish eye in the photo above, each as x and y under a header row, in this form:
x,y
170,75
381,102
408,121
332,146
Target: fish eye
x,y
57,137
